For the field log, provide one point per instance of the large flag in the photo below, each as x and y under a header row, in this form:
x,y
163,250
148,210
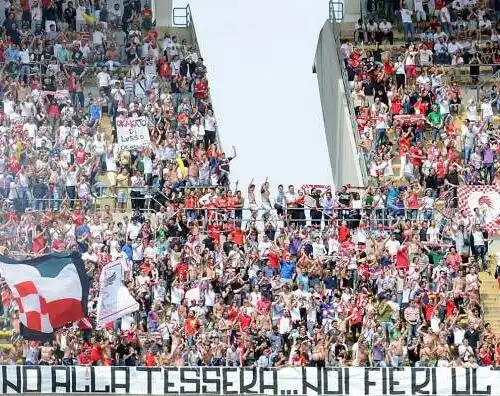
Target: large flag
x,y
115,300
50,291
487,200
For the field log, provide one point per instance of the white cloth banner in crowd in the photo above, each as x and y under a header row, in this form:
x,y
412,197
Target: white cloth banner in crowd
x,y
115,300
132,133
243,381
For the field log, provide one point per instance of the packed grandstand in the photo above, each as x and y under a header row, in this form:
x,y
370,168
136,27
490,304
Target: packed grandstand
x,y
258,275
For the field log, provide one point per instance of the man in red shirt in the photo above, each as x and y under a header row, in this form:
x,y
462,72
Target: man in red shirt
x,y
80,154
238,236
181,271
191,326
420,107
344,232
59,245
417,156
200,89
263,306
244,320
84,358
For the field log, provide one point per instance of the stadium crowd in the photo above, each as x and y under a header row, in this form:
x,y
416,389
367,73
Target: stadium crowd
x,y
310,276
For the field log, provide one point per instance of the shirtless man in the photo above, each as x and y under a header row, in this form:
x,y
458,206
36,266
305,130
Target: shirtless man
x,y
193,173
252,201
219,308
46,354
396,352
218,351
443,354
266,200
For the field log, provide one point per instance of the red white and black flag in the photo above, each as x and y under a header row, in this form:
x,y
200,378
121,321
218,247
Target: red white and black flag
x,y
50,291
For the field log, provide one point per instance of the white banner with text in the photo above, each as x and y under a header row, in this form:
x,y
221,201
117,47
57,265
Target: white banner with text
x,y
132,133
245,381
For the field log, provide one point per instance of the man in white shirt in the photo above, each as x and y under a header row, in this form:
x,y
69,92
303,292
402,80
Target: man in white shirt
x,y
31,128
440,35
419,10
445,18
104,79
427,205
133,229
487,111
441,50
197,130
393,245
36,14
372,30
453,47
425,56
360,32
98,37
385,32
291,199
381,126
409,31
115,14
80,20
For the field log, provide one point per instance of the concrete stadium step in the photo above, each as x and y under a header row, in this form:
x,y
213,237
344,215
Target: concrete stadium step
x,y
106,129
490,293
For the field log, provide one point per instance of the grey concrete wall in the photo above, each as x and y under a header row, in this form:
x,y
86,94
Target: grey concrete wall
x,y
338,125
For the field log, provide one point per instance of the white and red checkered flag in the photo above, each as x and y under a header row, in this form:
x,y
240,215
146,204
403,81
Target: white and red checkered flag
x,y
486,199
50,291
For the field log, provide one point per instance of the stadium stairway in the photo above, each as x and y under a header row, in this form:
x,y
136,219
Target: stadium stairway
x,y
490,292
106,129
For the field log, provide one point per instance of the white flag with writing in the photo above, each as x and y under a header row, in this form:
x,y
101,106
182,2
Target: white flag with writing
x,y
115,300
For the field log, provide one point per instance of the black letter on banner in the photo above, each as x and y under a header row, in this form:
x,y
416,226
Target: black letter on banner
x,y
225,383
476,391
263,387
326,375
93,388
66,384
114,385
74,383
38,379
247,388
346,381
209,381
307,385
6,383
149,370
419,389
195,381
166,384
454,390
393,383
369,383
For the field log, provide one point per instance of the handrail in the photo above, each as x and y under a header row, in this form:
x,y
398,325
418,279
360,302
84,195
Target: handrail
x,y
350,105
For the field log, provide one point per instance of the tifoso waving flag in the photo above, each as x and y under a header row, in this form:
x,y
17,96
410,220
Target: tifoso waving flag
x,y
50,291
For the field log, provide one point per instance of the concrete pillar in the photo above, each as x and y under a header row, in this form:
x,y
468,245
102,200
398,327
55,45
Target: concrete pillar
x,y
162,11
